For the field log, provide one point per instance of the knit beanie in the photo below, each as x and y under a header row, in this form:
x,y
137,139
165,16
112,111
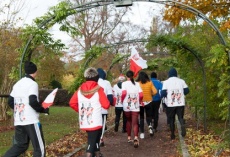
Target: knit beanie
x,y
153,75
101,73
30,67
172,72
91,74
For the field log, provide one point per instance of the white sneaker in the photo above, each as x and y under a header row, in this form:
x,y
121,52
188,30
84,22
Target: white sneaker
x,y
142,135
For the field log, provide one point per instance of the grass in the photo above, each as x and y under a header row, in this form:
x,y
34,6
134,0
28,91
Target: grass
x,y
60,122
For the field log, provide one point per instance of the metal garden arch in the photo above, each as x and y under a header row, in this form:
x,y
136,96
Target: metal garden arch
x,y
120,3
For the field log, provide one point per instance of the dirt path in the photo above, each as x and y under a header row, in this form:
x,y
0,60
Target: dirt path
x,y
160,145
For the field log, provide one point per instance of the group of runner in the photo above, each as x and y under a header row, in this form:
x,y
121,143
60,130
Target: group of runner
x,y
133,99
92,101
145,96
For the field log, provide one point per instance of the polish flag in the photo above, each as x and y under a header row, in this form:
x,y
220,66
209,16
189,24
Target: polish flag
x,y
136,62
49,99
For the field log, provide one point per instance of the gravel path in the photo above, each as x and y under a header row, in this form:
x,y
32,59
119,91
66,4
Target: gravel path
x,y
160,145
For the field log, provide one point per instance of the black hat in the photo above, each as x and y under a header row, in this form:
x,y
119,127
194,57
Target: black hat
x,y
172,72
30,67
153,75
91,74
101,73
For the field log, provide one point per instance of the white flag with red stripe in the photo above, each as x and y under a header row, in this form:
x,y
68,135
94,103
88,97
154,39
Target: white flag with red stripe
x,y
49,99
136,62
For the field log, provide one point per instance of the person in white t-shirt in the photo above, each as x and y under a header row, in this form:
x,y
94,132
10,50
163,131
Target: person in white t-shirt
x,y
24,100
175,89
117,91
106,85
131,98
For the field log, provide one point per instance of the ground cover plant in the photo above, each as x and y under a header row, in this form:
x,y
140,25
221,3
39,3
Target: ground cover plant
x,y
213,142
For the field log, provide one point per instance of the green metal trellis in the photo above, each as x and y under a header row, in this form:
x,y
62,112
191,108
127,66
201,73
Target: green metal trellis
x,y
98,3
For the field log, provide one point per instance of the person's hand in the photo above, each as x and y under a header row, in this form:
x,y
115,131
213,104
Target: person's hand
x,y
47,111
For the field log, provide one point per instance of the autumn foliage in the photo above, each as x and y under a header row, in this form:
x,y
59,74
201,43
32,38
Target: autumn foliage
x,y
215,10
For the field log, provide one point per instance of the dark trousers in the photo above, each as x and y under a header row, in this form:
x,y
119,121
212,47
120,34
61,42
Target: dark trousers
x,y
148,111
93,141
25,134
172,112
165,109
155,112
118,112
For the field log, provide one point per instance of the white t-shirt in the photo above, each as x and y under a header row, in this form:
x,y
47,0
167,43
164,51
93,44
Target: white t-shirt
x,y
175,91
105,84
131,101
89,112
24,114
117,94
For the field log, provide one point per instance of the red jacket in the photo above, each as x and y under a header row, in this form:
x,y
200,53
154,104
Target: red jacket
x,y
85,87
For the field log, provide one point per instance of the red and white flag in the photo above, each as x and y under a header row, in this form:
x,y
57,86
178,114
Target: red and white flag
x,y
136,62
49,99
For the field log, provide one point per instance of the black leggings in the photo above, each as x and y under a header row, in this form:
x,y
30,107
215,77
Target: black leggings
x,y
155,112
148,112
118,112
93,141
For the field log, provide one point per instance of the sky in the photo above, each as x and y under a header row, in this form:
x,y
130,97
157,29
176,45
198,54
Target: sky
x,y
36,8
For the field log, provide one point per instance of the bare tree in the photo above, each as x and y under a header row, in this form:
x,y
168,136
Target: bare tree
x,y
101,26
105,25
9,43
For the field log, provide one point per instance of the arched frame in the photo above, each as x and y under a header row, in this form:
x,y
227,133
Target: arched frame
x,y
179,5
98,3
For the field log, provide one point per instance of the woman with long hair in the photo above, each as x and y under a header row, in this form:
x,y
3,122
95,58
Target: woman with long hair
x,y
131,98
148,91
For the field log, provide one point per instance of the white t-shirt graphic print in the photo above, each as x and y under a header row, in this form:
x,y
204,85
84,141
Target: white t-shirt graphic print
x,y
89,111
24,114
176,97
131,101
175,91
105,84
117,94
19,109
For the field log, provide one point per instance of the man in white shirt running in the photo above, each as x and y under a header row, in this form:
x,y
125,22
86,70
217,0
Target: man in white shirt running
x,y
24,100
175,89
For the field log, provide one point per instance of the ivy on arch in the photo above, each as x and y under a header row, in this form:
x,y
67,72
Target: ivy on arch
x,y
180,47
37,34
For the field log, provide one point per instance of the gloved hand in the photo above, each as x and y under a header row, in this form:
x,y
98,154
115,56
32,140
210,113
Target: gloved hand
x,y
46,111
